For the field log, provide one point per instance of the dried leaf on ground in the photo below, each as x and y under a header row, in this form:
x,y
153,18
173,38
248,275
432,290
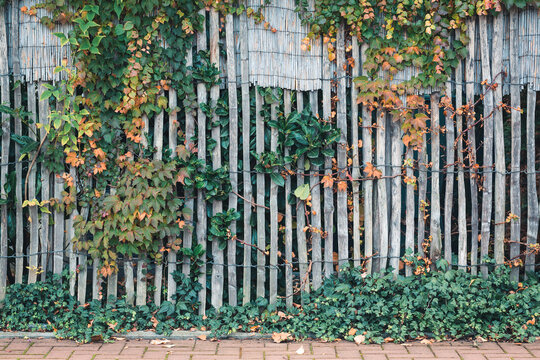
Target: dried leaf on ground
x,y
280,337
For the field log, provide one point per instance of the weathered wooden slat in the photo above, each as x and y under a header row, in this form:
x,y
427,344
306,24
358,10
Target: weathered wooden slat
x,y
435,214
70,234
233,154
96,280
4,89
158,155
450,175
498,141
409,209
422,195
130,283
355,145
273,210
328,205
140,296
367,157
82,276
487,193
45,184
314,179
382,203
33,210
532,195
246,176
471,142
173,142
201,154
395,211
341,201
261,237
515,102
300,214
461,201
288,217
217,205
17,103
58,217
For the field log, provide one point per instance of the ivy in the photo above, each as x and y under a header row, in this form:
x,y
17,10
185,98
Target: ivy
x,y
443,305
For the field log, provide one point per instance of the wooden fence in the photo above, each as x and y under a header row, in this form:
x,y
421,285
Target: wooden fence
x,y
461,209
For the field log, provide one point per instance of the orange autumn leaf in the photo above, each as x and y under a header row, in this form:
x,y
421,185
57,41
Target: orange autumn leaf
x,y
372,172
331,56
99,168
99,154
327,181
74,160
342,186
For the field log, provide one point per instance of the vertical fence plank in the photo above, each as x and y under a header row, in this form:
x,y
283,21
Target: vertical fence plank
x,y
449,188
462,215
314,184
187,240
173,142
435,215
395,211
70,234
367,157
82,275
45,189
532,195
328,206
409,208
158,155
471,142
96,280
130,283
217,205
498,141
288,217
17,103
201,153
422,195
112,279
300,214
58,217
233,154
246,176
30,192
515,102
355,146
261,238
341,202
487,193
273,211
4,88
382,202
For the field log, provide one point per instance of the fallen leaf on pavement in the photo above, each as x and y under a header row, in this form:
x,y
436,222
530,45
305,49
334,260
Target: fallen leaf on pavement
x,y
159,341
300,350
358,339
279,337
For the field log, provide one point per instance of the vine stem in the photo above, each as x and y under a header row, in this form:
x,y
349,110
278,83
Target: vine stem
x,y
30,167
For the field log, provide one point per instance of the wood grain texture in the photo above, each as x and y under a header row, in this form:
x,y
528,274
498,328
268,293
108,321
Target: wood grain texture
x,y
273,288
33,210
5,99
435,206
233,154
450,177
367,157
217,205
498,141
341,196
261,213
487,193
44,233
471,143
288,217
314,184
532,194
381,205
461,199
355,145
515,103
201,155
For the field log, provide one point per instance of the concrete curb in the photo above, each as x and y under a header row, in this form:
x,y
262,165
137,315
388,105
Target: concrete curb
x,y
146,335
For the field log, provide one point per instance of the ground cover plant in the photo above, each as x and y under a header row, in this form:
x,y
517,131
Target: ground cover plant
x,y
353,306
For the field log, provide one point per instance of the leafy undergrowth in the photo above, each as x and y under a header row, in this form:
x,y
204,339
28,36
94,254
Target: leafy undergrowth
x,y
372,308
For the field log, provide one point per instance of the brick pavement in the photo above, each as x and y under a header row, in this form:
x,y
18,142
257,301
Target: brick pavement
x,y
259,350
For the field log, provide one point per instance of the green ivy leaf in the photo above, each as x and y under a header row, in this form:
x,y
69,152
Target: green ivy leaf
x,y
302,192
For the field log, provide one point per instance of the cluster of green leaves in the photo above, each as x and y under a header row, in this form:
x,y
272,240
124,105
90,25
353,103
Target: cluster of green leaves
x,y
143,210
220,225
445,305
301,134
